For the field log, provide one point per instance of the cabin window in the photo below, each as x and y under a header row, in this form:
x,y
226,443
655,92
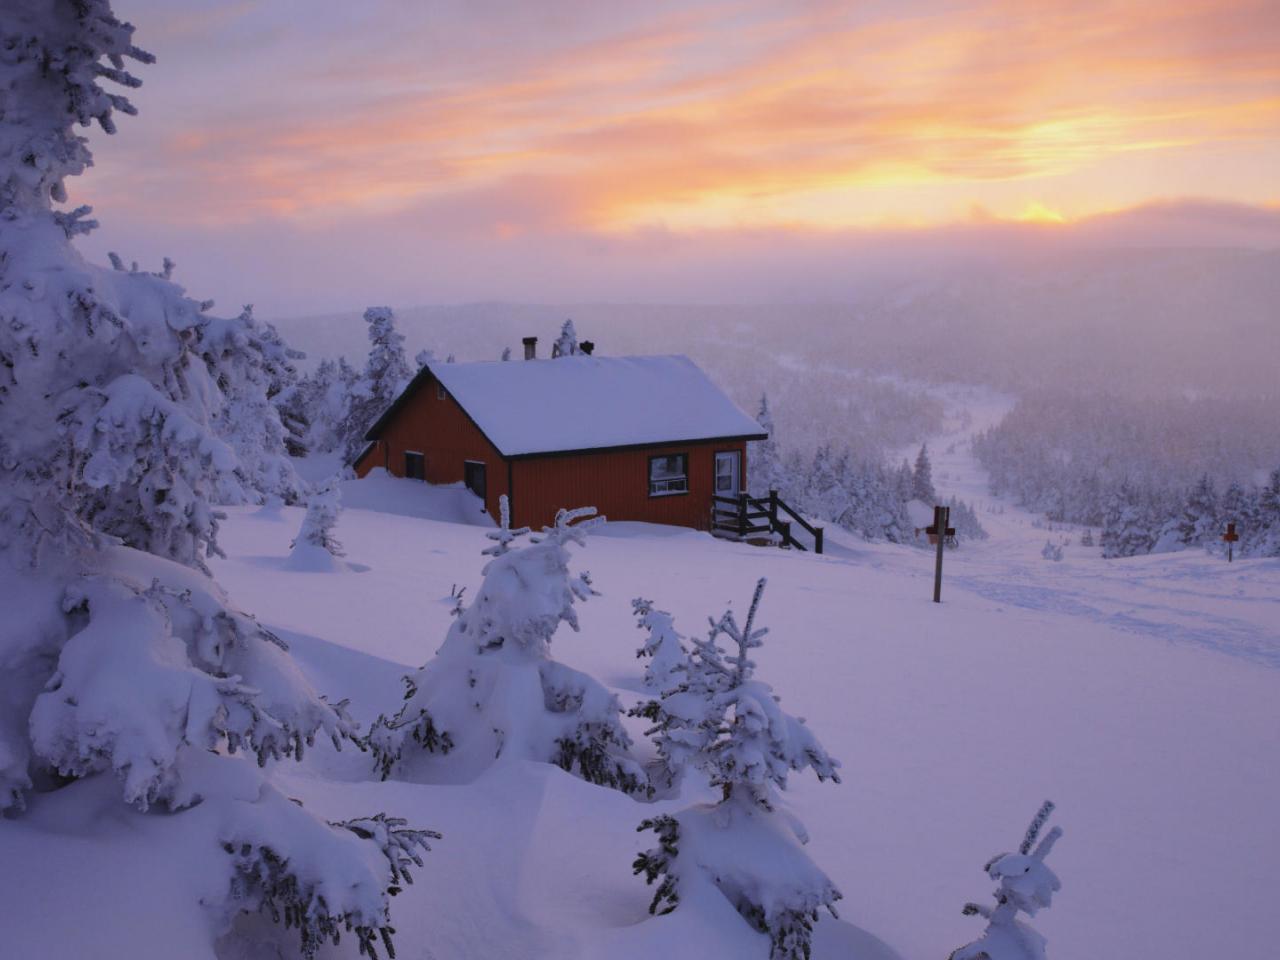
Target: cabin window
x,y
668,475
441,392
415,466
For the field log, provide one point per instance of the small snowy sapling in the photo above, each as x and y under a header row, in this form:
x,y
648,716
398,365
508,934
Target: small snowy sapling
x,y
728,725
668,660
493,692
566,344
1025,885
316,534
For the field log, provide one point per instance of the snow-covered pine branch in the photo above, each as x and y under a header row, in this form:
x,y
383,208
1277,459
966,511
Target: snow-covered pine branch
x,y
728,725
1026,884
150,674
321,878
49,82
504,536
494,694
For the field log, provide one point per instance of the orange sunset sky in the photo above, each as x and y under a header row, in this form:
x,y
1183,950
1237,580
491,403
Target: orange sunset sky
x,y
271,131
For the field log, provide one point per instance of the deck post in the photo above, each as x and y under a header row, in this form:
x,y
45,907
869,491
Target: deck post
x,y
817,540
742,515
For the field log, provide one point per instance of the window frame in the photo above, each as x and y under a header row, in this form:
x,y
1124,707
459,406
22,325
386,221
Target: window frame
x,y
441,392
684,455
715,477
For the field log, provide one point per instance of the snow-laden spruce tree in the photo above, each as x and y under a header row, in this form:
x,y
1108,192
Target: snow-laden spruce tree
x,y
1197,524
1026,884
922,478
386,374
566,344
1264,538
322,400
122,657
728,725
493,693
253,367
1126,525
763,457
315,547
965,521
666,671
668,660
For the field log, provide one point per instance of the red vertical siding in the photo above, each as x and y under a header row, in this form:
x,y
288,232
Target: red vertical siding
x,y
617,484
445,436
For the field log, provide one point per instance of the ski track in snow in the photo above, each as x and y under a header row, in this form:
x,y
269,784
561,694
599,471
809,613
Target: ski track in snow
x,y
1123,594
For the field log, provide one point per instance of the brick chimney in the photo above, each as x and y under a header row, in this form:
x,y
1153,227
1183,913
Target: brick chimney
x,y
530,348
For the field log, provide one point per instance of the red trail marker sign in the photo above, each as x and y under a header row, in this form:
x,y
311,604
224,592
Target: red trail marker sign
x,y
1230,538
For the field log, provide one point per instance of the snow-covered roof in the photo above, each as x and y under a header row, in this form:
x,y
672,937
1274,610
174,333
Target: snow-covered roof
x,y
584,403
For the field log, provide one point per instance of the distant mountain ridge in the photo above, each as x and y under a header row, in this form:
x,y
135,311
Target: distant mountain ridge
x,y
1141,321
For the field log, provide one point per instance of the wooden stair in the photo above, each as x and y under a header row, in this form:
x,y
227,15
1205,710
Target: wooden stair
x,y
744,516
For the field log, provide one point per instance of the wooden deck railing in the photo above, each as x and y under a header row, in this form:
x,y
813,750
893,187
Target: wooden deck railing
x,y
745,515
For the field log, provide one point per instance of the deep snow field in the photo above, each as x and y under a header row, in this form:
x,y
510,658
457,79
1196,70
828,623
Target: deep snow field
x,y
1141,695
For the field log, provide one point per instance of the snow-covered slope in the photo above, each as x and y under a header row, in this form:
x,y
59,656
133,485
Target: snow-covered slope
x,y
1141,695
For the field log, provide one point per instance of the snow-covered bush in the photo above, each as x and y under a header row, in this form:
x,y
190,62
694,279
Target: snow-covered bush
x,y
1051,550
728,725
315,546
493,692
566,344
149,673
1025,885
345,889
120,401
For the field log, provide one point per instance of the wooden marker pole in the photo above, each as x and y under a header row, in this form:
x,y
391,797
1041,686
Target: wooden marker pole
x,y
1230,538
938,534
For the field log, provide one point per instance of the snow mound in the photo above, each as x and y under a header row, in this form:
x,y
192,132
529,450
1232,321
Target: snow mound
x,y
383,493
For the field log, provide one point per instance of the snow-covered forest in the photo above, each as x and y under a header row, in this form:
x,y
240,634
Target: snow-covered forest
x,y
254,706
1155,474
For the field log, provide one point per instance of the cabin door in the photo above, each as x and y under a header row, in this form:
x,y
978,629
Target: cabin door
x,y
728,473
473,476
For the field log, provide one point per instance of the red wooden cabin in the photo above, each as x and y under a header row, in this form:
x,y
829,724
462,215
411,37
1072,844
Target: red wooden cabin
x,y
638,438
